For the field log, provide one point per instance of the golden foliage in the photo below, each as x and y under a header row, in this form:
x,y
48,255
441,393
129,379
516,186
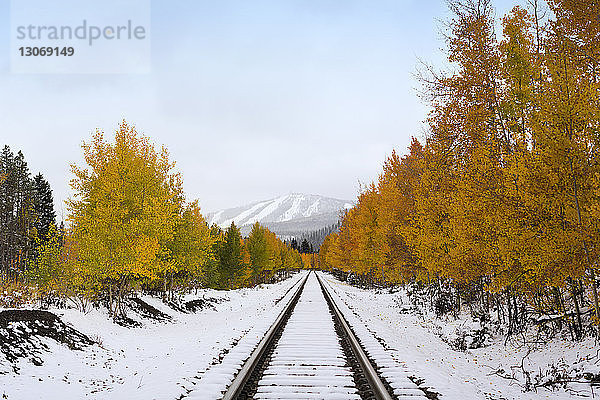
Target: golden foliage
x,y
129,219
506,189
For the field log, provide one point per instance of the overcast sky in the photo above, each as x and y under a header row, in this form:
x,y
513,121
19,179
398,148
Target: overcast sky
x,y
253,99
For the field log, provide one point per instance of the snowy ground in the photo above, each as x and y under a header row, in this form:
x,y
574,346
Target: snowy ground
x,y
160,360
415,342
195,355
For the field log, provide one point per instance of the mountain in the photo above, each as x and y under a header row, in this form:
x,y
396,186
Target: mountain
x,y
289,215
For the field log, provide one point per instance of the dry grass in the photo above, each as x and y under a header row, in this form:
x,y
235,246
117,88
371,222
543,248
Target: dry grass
x,y
14,295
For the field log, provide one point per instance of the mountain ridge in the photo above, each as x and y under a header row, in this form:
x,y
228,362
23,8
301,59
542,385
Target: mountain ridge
x,y
286,215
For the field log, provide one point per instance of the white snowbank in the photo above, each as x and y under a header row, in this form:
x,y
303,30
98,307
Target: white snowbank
x,y
157,361
416,343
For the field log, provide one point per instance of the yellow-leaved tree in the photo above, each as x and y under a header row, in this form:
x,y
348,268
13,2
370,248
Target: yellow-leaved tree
x,y
127,208
189,250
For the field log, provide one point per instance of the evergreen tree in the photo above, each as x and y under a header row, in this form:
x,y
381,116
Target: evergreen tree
x,y
6,208
17,213
304,247
315,238
43,204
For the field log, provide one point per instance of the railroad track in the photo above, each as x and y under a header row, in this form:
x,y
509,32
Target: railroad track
x,y
310,352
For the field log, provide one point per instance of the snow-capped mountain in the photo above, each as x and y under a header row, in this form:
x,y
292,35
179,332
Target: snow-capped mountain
x,y
290,214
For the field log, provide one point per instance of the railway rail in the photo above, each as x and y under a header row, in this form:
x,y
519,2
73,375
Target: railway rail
x,y
311,352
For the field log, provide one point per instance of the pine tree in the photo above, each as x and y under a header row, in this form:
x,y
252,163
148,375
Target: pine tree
x,y
6,209
304,247
43,205
17,214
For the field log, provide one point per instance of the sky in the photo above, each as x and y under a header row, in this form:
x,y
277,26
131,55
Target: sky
x,y
253,99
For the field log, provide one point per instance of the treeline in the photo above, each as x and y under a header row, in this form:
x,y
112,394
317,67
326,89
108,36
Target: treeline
x,y
26,214
130,229
499,209
255,259
311,242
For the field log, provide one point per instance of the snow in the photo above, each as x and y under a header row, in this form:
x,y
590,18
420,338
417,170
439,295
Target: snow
x,y
197,355
241,218
282,209
312,209
416,343
156,361
294,209
308,361
268,210
216,217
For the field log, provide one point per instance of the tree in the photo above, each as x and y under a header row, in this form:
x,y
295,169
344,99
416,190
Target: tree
x,y
190,250
304,247
256,244
124,214
230,255
17,214
501,204
213,275
47,271
43,205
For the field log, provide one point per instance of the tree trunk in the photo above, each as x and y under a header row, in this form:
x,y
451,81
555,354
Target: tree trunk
x,y
458,298
509,312
579,330
595,294
110,300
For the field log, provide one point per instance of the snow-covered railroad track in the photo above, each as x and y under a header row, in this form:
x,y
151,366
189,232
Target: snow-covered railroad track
x,y
313,354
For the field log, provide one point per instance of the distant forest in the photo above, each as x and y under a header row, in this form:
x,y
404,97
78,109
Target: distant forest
x,y
311,242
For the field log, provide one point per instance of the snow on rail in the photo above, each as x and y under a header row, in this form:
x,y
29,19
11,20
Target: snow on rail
x,y
308,362
395,374
214,382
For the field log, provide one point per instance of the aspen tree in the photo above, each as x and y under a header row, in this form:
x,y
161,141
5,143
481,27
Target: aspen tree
x,y
124,212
